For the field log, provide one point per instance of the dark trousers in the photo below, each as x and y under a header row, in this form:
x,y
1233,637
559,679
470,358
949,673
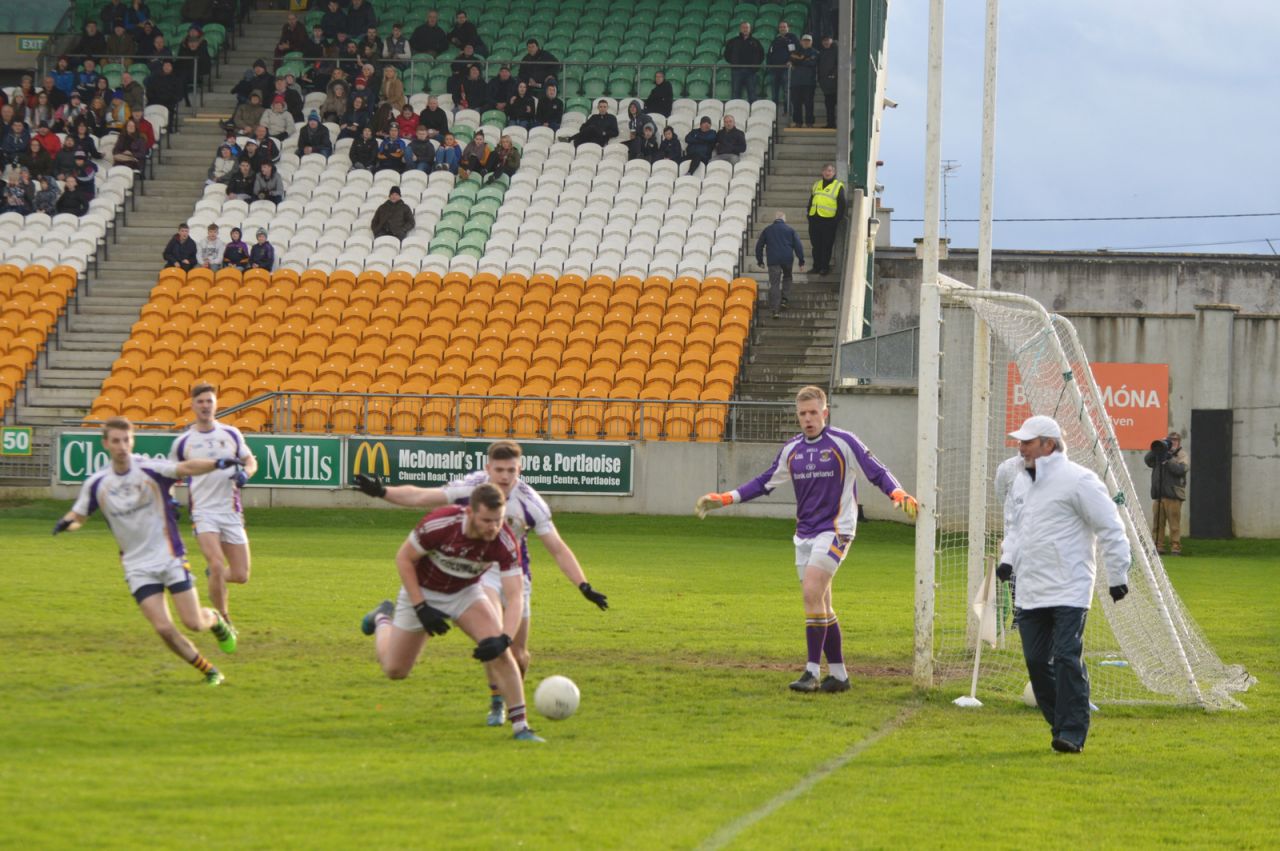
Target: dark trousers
x,y
778,81
1053,645
744,83
822,236
802,105
829,101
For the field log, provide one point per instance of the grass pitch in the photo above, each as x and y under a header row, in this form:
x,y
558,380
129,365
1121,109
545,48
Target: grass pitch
x,y
686,736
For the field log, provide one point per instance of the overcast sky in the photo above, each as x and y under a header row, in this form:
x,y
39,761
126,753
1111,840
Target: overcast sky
x,y
1105,108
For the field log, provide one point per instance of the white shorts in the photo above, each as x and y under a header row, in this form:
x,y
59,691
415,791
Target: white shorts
x,y
452,605
228,524
493,579
171,573
824,552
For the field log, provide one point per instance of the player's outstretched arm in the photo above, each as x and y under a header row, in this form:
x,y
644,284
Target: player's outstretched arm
x,y
69,522
200,466
710,502
409,496
905,501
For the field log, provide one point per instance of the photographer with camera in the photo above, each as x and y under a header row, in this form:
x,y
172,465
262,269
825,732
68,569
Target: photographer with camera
x,y
1169,464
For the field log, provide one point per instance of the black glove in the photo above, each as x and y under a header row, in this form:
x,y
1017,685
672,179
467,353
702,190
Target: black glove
x,y
488,649
434,621
594,596
1004,572
1118,592
61,526
370,485
224,463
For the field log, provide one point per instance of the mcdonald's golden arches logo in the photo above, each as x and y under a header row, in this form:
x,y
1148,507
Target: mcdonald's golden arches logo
x,y
369,452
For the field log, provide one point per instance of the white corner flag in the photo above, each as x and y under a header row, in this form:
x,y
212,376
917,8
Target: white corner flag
x,y
984,605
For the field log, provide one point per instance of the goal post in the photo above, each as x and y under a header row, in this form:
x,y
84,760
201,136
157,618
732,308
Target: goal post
x,y
1003,358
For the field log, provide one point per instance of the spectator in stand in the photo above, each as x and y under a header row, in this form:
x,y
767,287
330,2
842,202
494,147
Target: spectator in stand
x,y
159,52
636,120
262,255
364,150
598,129
46,200
538,66
195,47
268,150
256,79
84,139
781,48
782,243
180,253
113,11
223,164
210,250
64,162
360,19
464,34
15,142
196,10
731,143
333,21
393,217
137,16
745,53
449,154
473,93
317,76
421,153
465,61
316,46
292,97
92,42
166,90
699,144
294,32
146,38
435,119
550,108
53,95
236,254
120,44
64,77
35,159
502,88
396,48
505,160
240,182
130,148
522,110
407,121
335,105
392,88
66,116
645,146
429,37
48,139
661,96
475,156
391,151
102,89
804,78
828,68
314,137
86,79
38,110
669,147
279,123
247,116
249,154
19,197
268,186
371,45
356,120
134,95
349,58
118,112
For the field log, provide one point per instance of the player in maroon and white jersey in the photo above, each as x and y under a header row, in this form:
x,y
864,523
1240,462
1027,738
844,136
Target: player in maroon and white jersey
x,y
440,565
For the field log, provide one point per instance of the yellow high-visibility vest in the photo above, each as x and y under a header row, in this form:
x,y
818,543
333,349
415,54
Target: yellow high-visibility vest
x,y
823,203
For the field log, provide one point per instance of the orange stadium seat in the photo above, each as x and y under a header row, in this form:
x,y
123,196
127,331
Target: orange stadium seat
x,y
679,422
650,420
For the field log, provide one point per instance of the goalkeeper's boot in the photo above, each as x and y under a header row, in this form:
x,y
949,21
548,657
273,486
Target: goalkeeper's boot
x,y
807,683
369,623
497,712
527,735
225,633
832,684
214,677
1063,746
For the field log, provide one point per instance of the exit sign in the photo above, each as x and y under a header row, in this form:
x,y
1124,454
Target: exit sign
x,y
15,440
31,43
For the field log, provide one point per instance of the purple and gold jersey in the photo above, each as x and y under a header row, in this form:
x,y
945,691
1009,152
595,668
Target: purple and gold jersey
x,y
215,491
821,472
136,506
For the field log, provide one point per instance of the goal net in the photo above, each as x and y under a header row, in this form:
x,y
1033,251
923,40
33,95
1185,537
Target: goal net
x,y
1004,358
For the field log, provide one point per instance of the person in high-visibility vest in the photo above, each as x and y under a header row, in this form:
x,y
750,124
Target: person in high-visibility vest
x,y
826,212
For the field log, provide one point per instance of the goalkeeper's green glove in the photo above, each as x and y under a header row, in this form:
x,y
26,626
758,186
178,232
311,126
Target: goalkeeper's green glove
x,y
906,502
710,502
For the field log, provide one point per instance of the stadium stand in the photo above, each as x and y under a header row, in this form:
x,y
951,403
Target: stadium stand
x,y
34,298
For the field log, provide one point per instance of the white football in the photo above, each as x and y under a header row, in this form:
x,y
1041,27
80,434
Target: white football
x,y
1029,696
556,698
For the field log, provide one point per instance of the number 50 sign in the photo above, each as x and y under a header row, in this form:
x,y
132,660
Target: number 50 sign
x,y
15,440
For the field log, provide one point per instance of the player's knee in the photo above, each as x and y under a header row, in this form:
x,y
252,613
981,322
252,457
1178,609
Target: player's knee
x,y
522,658
396,671
194,622
238,575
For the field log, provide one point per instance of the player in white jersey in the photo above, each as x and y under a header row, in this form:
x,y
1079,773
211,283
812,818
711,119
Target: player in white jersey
x,y
527,512
216,510
133,495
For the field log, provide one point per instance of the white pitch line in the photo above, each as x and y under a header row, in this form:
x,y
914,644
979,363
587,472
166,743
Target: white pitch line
x,y
730,832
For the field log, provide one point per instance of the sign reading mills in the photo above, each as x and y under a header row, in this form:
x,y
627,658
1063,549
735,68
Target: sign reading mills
x,y
572,467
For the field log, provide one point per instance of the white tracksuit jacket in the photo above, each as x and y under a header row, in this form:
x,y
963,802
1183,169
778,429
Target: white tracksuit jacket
x,y
1051,524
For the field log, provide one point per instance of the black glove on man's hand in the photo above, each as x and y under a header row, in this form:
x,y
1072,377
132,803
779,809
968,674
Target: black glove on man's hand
x,y
1118,592
434,621
594,596
1004,572
224,463
61,526
488,649
371,485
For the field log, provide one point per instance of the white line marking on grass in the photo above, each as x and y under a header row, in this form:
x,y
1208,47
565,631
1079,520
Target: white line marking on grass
x,y
731,831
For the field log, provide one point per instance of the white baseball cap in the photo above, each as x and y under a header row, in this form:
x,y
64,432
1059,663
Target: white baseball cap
x,y
1038,426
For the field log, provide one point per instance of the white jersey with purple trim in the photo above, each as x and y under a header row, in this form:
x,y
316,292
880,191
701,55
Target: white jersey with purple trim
x,y
527,511
215,491
136,506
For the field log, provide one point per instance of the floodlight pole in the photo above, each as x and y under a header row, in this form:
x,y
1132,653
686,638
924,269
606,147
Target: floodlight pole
x,y
930,362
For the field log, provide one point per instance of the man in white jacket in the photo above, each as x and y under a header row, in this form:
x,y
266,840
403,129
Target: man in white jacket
x,y
1054,512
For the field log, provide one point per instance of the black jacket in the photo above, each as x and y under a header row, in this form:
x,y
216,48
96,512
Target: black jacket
x,y
828,68
538,67
550,111
428,39
660,99
182,254
436,119
743,51
364,152
165,89
1168,474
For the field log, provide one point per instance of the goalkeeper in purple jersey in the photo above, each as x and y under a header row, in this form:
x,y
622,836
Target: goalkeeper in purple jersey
x,y
819,464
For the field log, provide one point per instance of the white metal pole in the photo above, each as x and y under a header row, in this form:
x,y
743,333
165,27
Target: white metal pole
x,y
930,361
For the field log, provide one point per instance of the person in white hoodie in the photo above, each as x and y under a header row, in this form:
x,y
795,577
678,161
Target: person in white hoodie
x,y
1055,510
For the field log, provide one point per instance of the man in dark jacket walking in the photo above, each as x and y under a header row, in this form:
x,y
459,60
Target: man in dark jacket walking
x,y
393,218
744,50
1169,464
828,70
779,242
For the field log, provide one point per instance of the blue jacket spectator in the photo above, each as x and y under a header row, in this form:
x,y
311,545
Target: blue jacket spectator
x,y
778,243
699,143
262,255
180,253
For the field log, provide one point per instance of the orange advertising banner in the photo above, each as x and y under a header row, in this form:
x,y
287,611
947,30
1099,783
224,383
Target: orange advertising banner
x,y
1135,395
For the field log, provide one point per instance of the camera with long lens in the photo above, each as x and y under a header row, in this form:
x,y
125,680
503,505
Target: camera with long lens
x,y
1161,447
